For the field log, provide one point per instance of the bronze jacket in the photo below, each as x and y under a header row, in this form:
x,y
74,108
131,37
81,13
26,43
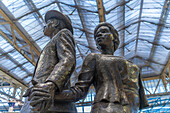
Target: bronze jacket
x,y
56,64
57,60
115,80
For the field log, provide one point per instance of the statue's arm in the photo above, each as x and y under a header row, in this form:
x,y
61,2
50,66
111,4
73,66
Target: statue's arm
x,y
65,48
132,81
85,79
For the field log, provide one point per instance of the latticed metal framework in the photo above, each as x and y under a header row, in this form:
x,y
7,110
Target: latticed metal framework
x,y
143,26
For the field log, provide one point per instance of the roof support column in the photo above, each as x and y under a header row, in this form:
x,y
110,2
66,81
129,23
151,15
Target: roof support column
x,y
101,11
166,78
33,51
121,21
139,21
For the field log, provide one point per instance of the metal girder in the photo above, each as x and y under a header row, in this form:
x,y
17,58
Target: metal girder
x,y
121,3
32,60
149,60
140,15
74,6
82,56
35,10
15,26
12,78
133,39
159,94
150,78
166,78
162,20
84,30
15,83
9,96
157,104
121,21
101,10
58,4
15,62
32,7
82,19
136,22
157,86
94,49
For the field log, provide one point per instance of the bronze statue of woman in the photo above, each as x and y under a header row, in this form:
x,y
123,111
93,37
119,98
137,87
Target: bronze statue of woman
x,y
117,81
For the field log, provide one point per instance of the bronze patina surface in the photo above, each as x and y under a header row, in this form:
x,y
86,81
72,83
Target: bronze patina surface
x,y
53,69
117,81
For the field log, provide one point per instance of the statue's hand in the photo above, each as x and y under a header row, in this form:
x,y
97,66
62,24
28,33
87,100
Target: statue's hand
x,y
41,96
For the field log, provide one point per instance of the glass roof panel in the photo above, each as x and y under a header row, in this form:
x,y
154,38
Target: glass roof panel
x,y
7,63
17,7
139,62
147,31
108,4
42,3
29,67
131,32
28,79
18,57
129,50
147,71
43,41
50,7
164,39
152,9
161,55
143,49
157,68
17,71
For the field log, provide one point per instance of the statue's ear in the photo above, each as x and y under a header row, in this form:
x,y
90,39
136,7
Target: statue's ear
x,y
56,24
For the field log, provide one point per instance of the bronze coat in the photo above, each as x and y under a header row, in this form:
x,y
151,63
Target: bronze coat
x,y
115,80
56,63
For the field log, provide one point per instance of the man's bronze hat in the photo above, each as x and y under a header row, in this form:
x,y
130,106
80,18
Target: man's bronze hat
x,y
112,30
59,16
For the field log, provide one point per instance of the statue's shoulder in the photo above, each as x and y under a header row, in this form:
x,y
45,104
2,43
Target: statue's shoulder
x,y
133,69
91,55
131,64
120,59
64,33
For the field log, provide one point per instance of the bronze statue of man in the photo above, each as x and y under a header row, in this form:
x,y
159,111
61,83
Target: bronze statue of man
x,y
117,82
54,67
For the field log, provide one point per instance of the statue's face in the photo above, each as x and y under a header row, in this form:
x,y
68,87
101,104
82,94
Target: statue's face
x,y
51,26
104,36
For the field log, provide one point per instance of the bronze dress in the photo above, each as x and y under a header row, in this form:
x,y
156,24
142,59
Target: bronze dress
x,y
116,81
56,63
